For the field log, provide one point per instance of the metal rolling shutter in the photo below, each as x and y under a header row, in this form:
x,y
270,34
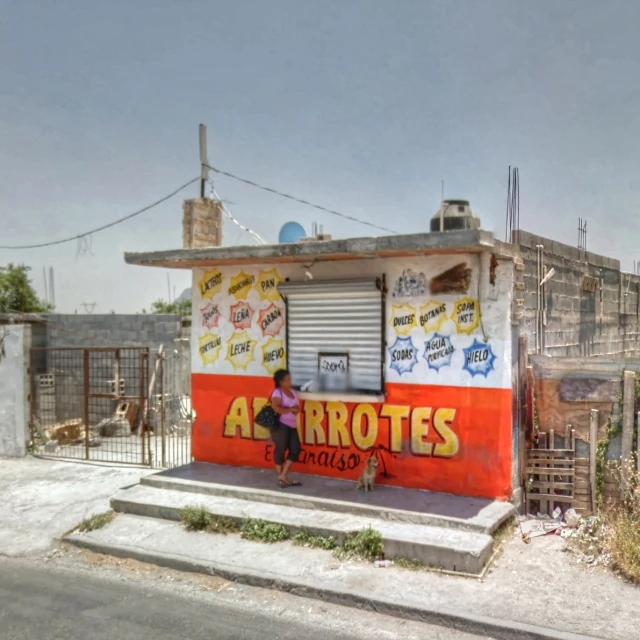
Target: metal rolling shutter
x,y
335,316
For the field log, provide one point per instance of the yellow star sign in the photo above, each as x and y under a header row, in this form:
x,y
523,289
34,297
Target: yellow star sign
x,y
267,285
240,350
273,355
210,283
209,347
466,315
403,319
432,315
241,285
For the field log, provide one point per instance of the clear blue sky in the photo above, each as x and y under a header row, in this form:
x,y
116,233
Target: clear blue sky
x,y
361,105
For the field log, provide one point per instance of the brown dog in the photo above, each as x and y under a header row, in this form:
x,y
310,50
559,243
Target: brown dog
x,y
368,476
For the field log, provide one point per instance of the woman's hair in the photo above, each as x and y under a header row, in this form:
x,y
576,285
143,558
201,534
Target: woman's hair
x,y
279,376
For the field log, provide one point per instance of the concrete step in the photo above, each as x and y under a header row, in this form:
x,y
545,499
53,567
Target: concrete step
x,y
449,549
330,494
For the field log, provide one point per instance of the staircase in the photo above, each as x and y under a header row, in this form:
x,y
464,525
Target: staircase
x,y
446,532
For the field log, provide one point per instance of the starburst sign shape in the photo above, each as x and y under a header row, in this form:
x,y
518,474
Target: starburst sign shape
x,y
210,283
403,355
271,320
466,315
209,347
273,355
240,350
479,358
438,351
403,319
267,285
241,315
210,316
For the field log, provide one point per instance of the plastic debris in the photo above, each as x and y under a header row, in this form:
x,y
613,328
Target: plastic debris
x,y
379,564
572,518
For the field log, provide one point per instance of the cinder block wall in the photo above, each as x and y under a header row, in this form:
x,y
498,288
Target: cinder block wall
x,y
578,324
112,330
108,330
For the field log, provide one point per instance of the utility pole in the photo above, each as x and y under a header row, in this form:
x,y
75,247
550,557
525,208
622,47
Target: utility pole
x,y
204,169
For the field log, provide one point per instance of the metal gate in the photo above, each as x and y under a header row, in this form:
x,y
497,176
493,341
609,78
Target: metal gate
x,y
101,404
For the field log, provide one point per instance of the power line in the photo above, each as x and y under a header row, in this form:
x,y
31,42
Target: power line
x,y
226,211
106,226
300,200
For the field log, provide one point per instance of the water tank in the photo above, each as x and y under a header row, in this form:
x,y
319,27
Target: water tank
x,y
455,215
291,232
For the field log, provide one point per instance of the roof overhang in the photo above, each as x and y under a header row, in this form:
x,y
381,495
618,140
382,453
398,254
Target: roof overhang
x,y
415,244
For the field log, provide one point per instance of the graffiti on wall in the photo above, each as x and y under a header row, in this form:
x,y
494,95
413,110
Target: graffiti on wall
x,y
454,280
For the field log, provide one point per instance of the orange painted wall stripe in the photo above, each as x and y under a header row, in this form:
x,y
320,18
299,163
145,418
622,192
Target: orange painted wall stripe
x,y
450,439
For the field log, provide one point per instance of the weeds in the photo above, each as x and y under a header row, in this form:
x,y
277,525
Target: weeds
x,y
411,564
621,534
306,539
613,539
365,544
223,525
96,521
263,531
197,518
503,532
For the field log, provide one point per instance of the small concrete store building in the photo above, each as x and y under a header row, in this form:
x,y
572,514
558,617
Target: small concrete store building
x,y
420,323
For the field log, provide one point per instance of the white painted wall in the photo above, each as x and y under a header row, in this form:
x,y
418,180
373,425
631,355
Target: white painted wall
x,y
493,330
14,390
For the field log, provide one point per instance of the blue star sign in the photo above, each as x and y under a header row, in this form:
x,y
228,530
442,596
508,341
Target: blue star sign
x,y
479,359
438,351
404,356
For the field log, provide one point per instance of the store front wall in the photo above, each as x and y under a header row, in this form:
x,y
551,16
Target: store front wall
x,y
437,409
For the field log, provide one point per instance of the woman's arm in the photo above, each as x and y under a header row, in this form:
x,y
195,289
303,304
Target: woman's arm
x,y
276,403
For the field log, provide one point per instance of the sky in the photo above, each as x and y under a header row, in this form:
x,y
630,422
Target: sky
x,y
363,106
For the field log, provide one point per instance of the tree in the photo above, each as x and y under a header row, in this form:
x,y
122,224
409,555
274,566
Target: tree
x,y
17,294
179,307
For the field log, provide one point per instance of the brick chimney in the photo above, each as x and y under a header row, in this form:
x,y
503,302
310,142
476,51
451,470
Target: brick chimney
x,y
201,223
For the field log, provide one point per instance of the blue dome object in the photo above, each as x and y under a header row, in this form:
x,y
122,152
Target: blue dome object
x,y
291,232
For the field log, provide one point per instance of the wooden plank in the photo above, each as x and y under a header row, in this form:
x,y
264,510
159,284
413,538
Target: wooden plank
x,y
593,444
628,415
551,452
550,470
549,497
589,390
551,484
551,461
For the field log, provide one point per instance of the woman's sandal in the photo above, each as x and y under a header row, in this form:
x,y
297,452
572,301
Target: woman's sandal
x,y
282,484
294,483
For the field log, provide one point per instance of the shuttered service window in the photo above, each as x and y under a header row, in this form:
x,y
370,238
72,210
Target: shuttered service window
x,y
335,323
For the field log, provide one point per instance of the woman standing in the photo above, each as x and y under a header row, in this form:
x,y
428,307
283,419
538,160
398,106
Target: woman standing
x,y
284,401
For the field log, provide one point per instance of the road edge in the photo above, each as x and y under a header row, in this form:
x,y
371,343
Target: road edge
x,y
465,622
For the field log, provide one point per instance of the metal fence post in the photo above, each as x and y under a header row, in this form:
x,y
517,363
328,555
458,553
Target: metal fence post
x,y
162,409
86,401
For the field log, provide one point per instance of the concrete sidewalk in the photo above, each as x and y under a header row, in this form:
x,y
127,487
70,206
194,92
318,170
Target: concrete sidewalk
x,y
533,591
42,499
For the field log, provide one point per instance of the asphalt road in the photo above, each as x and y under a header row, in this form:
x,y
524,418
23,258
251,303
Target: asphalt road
x,y
38,602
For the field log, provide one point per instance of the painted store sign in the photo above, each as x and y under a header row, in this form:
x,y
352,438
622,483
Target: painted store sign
x,y
424,437
445,420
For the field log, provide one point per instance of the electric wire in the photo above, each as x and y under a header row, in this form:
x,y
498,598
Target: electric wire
x,y
105,226
299,200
